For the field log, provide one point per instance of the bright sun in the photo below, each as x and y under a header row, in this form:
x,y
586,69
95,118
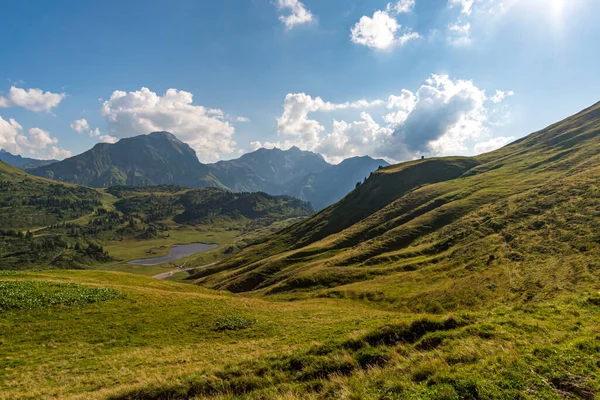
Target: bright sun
x,y
555,10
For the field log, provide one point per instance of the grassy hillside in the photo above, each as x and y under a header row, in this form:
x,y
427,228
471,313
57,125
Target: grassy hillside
x,y
97,335
28,201
47,224
516,225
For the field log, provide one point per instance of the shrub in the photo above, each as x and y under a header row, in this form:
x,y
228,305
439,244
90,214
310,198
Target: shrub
x,y
234,323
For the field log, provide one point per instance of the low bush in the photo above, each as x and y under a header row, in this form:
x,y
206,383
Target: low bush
x,y
234,323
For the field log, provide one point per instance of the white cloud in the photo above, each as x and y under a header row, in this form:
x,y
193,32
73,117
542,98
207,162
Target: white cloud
x,y
356,138
143,111
9,130
38,143
296,13
501,95
380,31
40,138
460,34
31,99
492,144
58,153
242,119
440,118
447,112
295,122
82,126
108,139
270,145
466,6
402,105
401,6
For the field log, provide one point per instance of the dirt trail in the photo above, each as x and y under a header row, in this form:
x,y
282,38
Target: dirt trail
x,y
167,275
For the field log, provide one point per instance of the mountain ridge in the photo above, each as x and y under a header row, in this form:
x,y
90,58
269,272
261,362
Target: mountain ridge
x,y
160,158
516,209
22,162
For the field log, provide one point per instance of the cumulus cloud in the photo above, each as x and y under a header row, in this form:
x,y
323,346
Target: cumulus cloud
x,y
401,105
37,143
493,144
445,110
380,31
442,117
9,130
295,121
242,119
144,111
295,13
40,138
466,6
108,139
501,95
31,99
82,126
356,138
402,6
57,153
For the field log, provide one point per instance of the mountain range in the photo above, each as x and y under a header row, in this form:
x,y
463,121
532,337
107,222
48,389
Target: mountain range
x,y
22,162
159,158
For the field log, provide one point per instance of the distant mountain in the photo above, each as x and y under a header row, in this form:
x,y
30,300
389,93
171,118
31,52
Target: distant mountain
x,y
22,162
302,174
266,170
145,160
336,181
159,158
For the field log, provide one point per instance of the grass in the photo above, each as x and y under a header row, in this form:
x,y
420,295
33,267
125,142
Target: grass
x,y
159,340
159,331
28,295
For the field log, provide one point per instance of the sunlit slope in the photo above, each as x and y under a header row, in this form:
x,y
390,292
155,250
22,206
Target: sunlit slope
x,y
520,222
28,201
89,345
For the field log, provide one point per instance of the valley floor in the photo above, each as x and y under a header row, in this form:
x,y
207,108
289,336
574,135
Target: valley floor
x,y
110,335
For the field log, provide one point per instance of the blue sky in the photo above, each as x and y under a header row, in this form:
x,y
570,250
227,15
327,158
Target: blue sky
x,y
393,79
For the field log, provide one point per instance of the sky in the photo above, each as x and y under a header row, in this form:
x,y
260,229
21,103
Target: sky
x,y
344,78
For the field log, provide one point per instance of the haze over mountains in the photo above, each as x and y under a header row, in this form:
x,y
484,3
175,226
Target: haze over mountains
x,y
22,162
160,158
